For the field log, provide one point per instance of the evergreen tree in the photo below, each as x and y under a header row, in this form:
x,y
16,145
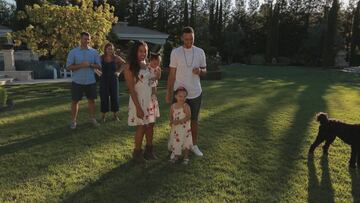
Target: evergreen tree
x,y
330,34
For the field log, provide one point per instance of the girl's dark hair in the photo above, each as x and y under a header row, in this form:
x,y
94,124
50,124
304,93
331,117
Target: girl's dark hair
x,y
155,56
133,60
180,89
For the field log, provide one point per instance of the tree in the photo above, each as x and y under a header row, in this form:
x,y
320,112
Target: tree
x,y
355,38
272,43
253,5
186,13
133,8
121,8
330,34
193,13
21,4
234,49
212,16
54,29
220,20
7,12
162,17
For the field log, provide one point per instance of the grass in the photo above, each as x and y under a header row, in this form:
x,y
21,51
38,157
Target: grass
x,y
256,127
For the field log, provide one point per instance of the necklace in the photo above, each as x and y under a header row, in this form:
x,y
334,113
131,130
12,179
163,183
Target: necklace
x,y
192,60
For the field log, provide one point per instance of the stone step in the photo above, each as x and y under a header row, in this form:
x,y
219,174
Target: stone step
x,y
4,81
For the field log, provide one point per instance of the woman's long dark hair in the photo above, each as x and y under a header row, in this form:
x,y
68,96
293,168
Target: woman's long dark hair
x,y
133,60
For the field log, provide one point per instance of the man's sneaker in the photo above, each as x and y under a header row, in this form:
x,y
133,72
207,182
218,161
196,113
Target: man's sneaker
x,y
195,149
94,122
73,125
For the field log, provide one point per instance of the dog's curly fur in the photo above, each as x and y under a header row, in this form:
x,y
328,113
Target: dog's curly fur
x,y
329,129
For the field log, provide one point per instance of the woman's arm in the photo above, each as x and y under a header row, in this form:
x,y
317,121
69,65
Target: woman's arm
x,y
120,64
130,82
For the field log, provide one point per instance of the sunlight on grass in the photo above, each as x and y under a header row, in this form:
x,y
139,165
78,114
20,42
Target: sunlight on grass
x,y
255,129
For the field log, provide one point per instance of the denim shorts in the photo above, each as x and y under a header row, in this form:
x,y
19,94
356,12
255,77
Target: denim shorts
x,y
77,91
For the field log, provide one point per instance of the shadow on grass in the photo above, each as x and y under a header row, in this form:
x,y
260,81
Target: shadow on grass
x,y
291,143
122,185
355,184
127,183
53,135
319,191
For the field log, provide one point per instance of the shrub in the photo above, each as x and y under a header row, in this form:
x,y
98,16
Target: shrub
x,y
258,60
213,63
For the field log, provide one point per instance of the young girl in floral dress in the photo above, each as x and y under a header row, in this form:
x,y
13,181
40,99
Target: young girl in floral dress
x,y
180,141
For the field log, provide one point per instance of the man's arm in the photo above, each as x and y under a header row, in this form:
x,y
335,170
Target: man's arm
x,y
170,84
70,63
75,67
171,77
203,71
97,64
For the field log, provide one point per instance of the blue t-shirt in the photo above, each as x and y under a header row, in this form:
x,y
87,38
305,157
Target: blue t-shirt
x,y
83,76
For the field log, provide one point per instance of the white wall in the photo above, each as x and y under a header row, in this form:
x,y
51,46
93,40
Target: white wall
x,y
23,55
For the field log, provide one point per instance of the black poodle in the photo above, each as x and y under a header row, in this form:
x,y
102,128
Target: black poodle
x,y
330,128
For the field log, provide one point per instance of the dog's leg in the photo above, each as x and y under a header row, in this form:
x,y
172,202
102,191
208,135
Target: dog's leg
x,y
353,156
327,144
358,157
316,143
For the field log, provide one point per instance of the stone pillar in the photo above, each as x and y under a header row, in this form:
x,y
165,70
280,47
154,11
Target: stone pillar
x,y
9,61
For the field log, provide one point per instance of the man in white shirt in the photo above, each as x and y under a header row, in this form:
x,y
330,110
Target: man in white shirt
x,y
187,64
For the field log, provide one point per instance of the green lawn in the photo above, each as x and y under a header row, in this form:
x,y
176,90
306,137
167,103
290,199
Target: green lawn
x,y
256,127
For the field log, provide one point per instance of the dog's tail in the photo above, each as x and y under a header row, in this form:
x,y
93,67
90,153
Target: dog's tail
x,y
322,118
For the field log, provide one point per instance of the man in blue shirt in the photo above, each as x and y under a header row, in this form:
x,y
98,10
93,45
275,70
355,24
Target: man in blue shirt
x,y
82,61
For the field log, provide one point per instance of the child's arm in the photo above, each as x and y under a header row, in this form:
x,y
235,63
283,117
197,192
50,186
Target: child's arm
x,y
171,119
153,90
187,113
158,73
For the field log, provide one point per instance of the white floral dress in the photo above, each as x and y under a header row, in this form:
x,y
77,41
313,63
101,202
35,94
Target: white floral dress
x,y
148,104
154,83
180,135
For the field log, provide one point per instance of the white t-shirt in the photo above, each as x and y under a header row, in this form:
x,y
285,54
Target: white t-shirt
x,y
185,60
